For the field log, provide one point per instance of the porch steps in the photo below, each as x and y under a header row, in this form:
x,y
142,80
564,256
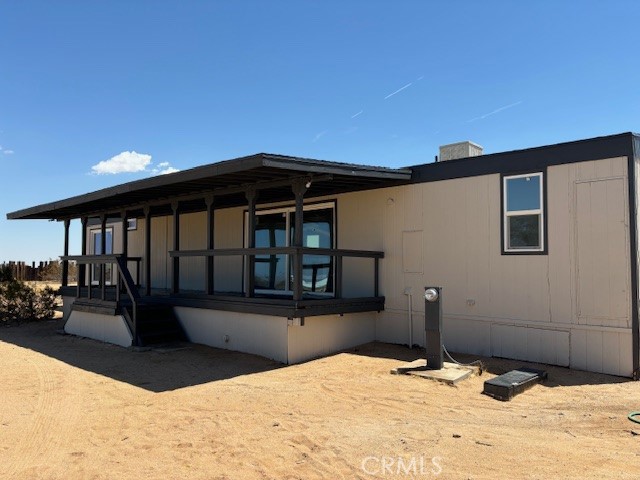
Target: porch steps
x,y
157,324
102,307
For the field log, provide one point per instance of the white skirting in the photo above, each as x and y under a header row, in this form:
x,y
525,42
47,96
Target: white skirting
x,y
275,337
106,328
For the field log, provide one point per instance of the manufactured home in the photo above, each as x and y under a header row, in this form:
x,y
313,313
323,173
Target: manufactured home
x,y
291,258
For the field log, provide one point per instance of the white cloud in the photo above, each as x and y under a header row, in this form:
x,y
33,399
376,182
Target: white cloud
x,y
125,162
165,169
8,152
132,162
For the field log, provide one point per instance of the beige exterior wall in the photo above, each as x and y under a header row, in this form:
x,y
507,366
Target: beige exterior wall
x,y
228,234
229,224
570,307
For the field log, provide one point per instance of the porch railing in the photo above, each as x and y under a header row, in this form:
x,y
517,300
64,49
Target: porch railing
x,y
297,255
124,281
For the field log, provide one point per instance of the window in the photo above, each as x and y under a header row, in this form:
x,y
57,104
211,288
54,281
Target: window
x,y
132,223
276,228
523,208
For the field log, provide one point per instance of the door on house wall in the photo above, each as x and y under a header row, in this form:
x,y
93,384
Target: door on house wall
x,y
317,232
271,270
96,244
602,253
276,228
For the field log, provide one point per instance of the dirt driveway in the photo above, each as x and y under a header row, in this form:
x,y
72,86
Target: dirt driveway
x,y
76,408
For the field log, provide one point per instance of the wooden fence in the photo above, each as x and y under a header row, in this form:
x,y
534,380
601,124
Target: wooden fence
x,y
50,270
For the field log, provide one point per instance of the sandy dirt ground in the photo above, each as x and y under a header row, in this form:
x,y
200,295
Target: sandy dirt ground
x,y
76,408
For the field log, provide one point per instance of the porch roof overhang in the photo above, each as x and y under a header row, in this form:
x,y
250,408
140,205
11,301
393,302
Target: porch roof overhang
x,y
227,181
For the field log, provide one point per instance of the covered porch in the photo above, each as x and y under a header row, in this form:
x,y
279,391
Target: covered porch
x,y
295,270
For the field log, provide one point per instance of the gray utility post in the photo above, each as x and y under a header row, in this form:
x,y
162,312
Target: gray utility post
x,y
433,326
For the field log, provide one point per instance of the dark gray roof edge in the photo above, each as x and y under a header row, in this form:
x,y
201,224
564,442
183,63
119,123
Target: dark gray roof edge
x,y
527,159
343,169
356,167
226,166
219,168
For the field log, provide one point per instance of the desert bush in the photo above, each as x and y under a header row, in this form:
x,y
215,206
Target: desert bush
x,y
20,302
51,271
45,303
6,274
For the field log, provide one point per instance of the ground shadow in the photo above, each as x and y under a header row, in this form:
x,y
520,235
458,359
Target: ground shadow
x,y
556,376
156,369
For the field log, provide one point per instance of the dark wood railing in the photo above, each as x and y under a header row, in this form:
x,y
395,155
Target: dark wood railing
x,y
124,281
297,255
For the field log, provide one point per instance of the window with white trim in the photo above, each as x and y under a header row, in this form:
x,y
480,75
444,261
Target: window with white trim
x,y
523,213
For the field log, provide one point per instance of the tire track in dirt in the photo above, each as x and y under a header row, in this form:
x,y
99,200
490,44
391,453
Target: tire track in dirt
x,y
31,444
52,422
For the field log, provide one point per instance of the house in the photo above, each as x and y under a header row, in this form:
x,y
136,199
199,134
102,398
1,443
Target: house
x,y
292,258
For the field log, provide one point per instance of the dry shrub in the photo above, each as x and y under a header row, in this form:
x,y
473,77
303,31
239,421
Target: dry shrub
x,y
20,302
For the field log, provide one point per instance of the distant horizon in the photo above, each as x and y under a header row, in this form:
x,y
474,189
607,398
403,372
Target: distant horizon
x,y
93,96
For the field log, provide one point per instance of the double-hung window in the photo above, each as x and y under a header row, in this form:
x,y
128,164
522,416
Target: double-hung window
x,y
523,213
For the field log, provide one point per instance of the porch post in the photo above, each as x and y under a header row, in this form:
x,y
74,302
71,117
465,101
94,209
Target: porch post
x,y
125,246
125,234
175,281
210,244
103,251
82,267
147,250
249,272
299,188
65,263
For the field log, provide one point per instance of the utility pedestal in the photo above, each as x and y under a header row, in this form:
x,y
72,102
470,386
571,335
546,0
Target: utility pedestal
x,y
433,327
433,366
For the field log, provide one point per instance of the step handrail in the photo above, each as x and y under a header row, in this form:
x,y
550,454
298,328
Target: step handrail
x,y
123,276
132,292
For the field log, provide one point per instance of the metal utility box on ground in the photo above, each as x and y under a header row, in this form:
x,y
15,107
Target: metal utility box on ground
x,y
506,386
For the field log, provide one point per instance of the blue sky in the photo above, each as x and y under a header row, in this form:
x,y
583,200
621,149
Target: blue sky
x,y
183,83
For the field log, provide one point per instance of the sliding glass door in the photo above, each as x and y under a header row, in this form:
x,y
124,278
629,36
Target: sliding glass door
x,y
317,232
271,270
276,228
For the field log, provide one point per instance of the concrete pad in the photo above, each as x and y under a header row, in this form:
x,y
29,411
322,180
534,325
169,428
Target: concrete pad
x,y
451,373
419,364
